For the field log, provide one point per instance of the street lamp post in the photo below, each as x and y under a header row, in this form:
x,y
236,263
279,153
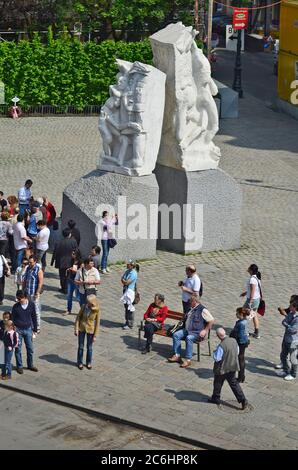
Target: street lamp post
x,y
237,84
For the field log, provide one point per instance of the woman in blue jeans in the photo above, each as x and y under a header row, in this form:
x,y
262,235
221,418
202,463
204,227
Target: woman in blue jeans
x,y
106,224
71,286
87,325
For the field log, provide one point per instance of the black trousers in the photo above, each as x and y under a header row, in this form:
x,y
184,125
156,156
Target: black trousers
x,y
63,280
149,330
3,247
232,381
2,285
186,306
241,357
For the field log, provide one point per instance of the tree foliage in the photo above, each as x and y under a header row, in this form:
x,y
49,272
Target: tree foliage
x,y
114,19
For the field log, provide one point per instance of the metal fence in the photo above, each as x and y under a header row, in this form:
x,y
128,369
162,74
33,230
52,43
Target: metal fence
x,y
49,110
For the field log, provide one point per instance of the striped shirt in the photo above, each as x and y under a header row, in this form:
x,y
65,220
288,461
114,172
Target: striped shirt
x,y
31,280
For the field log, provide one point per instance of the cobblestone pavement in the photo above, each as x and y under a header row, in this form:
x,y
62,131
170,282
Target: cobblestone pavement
x,y
27,423
260,151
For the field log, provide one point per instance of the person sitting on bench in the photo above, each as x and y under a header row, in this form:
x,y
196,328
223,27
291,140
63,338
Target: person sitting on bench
x,y
198,321
154,319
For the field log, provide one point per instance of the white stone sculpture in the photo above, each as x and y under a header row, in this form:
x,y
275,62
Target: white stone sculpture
x,y
130,121
191,117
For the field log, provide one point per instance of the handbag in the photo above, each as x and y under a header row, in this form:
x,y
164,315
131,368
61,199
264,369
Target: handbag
x,y
137,297
262,306
112,242
233,334
178,326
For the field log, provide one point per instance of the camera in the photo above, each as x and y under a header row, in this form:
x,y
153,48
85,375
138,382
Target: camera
x,y
180,283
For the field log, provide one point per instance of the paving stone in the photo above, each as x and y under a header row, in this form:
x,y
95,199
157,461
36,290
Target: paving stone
x,y
261,145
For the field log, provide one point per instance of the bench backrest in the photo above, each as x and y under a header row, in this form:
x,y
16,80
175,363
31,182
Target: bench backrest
x,y
175,315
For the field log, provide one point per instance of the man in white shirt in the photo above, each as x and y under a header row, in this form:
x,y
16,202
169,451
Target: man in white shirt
x,y
24,196
20,240
191,285
42,243
87,278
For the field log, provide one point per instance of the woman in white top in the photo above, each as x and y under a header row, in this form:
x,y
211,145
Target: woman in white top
x,y
253,296
106,224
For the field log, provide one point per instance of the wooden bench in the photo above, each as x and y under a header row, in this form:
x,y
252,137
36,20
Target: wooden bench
x,y
177,316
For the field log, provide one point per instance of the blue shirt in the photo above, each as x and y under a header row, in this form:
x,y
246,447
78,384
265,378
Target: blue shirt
x,y
241,329
218,353
130,276
31,280
32,227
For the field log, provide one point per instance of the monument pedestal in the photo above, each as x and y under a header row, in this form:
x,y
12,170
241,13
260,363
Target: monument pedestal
x,y
210,210
132,198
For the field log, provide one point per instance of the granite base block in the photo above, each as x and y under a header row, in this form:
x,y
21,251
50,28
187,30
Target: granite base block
x,y
131,197
210,207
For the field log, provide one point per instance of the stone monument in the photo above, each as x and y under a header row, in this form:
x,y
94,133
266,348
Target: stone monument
x,y
130,125
187,170
130,121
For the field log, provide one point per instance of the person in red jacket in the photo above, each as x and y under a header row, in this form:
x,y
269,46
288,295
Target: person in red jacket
x,y
50,212
154,319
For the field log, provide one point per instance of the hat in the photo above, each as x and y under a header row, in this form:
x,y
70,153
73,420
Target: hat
x,y
207,316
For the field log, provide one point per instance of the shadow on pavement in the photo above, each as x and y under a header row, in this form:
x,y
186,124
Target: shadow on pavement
x,y
188,395
55,359
58,321
257,365
110,324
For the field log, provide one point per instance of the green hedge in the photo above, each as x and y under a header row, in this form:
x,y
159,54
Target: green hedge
x,y
64,71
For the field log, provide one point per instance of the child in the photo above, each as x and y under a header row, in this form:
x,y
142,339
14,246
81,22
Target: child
x,y
5,317
290,340
20,273
240,334
10,340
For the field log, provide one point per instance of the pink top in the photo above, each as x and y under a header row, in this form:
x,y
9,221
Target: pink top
x,y
106,227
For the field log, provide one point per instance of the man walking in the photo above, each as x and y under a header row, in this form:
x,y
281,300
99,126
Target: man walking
x,y
24,196
32,285
24,316
226,364
197,325
191,285
62,257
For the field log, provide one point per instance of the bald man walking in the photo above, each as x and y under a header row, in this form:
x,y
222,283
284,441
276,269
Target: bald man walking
x,y
226,365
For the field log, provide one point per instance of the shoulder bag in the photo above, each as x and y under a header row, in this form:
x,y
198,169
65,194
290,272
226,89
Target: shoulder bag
x,y
262,306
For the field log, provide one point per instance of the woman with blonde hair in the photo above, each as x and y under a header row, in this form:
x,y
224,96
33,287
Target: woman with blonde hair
x,y
87,323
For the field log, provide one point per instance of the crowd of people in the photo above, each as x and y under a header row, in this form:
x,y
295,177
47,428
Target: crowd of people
x,y
26,227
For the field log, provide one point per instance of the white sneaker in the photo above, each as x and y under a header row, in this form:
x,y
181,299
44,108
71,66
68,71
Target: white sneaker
x,y
281,373
289,377
278,366
108,270
125,327
104,271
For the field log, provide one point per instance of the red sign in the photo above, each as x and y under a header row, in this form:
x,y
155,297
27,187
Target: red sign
x,y
240,18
